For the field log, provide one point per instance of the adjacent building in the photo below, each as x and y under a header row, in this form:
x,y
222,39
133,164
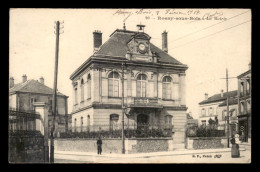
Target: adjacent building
x,y
153,89
23,96
215,107
244,104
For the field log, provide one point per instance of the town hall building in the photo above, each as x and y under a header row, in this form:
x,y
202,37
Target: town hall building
x,y
153,85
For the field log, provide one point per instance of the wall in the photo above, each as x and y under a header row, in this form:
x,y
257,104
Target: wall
x,y
26,149
114,145
206,143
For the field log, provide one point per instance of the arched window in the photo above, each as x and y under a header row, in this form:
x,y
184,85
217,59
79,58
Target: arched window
x,y
141,85
75,125
113,84
88,123
76,95
166,88
82,90
89,86
81,124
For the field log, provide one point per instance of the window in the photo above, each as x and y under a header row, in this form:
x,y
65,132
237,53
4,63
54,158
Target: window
x,y
76,95
81,124
89,86
247,86
114,121
210,111
224,113
141,85
248,105
88,123
82,90
166,88
31,103
203,112
242,88
168,121
242,108
113,84
75,125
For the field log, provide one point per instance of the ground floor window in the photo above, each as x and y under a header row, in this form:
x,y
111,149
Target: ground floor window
x,y
114,118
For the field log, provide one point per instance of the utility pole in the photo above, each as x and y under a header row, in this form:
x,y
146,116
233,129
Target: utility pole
x,y
227,117
227,110
123,111
54,102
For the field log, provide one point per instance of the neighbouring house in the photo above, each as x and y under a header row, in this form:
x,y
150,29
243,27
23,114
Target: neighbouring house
x,y
23,96
215,107
154,85
244,104
233,111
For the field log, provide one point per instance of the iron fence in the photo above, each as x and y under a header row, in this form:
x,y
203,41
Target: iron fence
x,y
115,131
204,131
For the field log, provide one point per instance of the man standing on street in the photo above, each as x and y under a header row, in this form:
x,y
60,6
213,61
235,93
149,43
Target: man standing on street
x,y
99,145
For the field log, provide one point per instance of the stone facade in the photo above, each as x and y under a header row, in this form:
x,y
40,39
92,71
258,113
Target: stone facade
x,y
154,90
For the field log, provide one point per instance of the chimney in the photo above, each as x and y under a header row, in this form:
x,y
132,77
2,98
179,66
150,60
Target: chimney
x,y
164,42
97,35
206,96
24,77
222,93
11,82
140,27
42,80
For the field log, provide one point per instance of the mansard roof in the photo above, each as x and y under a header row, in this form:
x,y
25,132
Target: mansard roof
x,y
116,46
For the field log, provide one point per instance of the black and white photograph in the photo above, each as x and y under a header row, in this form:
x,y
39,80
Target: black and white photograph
x,y
129,86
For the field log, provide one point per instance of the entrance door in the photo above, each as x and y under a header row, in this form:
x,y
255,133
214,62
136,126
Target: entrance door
x,y
142,120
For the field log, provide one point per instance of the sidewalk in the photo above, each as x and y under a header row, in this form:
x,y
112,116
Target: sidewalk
x,y
150,154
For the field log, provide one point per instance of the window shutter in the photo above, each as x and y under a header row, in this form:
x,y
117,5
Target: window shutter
x,y
116,88
143,89
168,91
110,87
138,89
164,90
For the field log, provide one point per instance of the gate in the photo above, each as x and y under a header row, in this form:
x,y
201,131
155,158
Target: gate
x,y
26,144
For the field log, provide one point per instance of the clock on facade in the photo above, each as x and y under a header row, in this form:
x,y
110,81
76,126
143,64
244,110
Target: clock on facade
x,y
142,48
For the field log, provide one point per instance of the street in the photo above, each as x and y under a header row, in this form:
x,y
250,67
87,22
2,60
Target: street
x,y
217,157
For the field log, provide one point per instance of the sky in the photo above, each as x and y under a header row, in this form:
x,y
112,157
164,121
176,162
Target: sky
x,y
208,47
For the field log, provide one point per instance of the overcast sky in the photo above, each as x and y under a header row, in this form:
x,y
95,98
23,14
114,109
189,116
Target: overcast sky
x,y
208,47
